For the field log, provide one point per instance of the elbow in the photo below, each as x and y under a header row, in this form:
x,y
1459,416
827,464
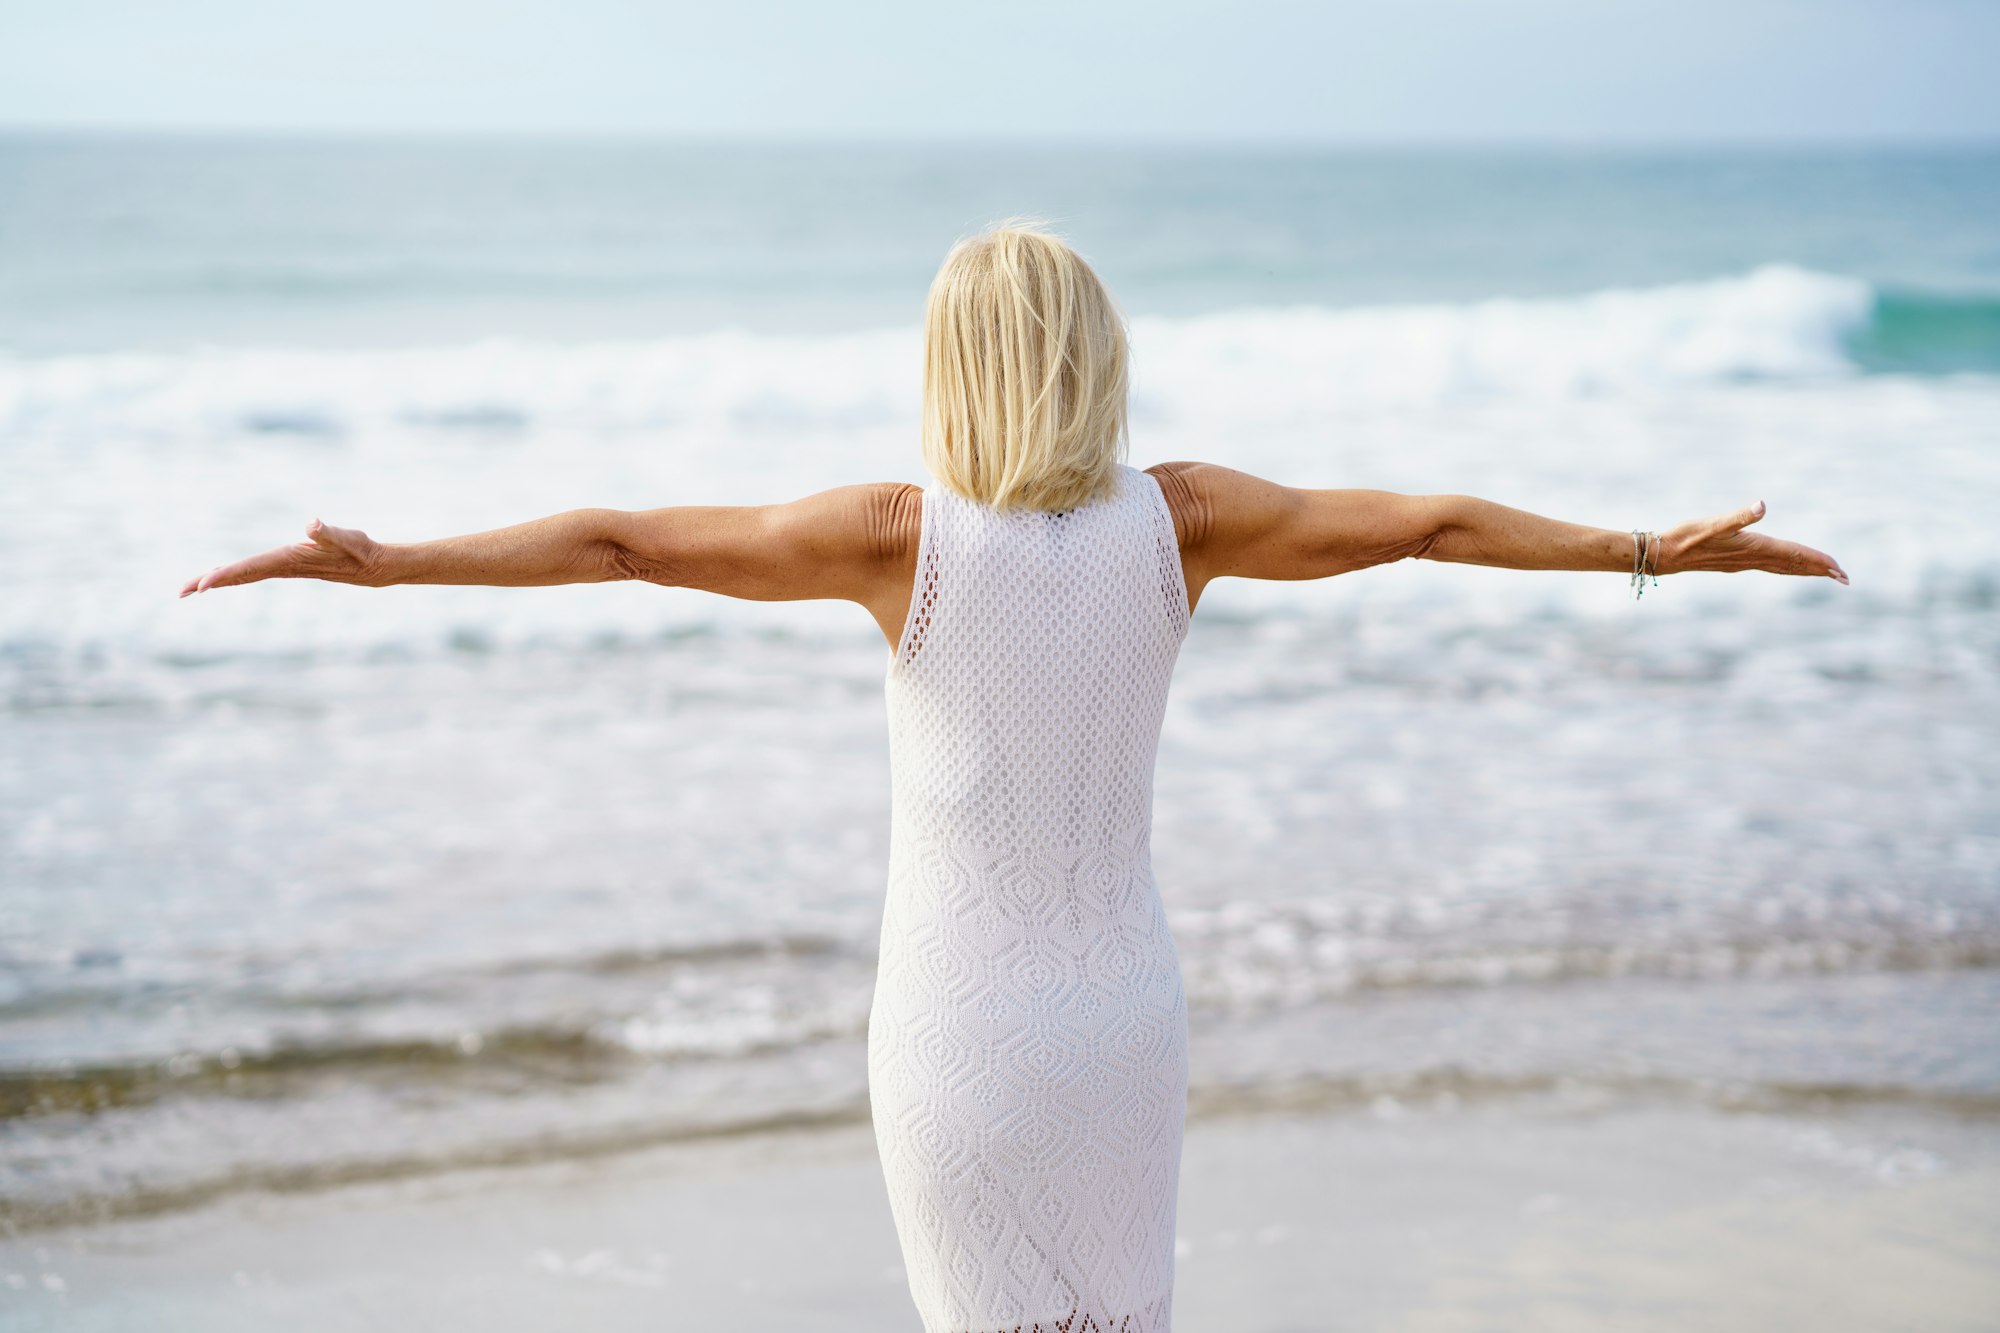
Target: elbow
x,y
1439,518
617,561
610,552
617,553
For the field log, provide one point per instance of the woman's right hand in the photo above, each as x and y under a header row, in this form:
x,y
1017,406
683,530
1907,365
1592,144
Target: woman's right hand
x,y
1722,545
338,555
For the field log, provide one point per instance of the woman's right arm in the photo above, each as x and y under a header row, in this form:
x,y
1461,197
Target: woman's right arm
x,y
1233,524
853,543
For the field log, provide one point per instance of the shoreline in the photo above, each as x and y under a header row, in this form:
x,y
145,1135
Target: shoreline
x,y
1421,1217
1805,1046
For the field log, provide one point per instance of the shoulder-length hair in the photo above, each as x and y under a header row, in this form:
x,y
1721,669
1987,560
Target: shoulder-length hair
x,y
1024,372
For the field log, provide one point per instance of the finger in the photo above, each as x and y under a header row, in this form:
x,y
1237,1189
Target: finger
x,y
1815,563
202,582
340,539
1740,518
1805,560
270,564
325,533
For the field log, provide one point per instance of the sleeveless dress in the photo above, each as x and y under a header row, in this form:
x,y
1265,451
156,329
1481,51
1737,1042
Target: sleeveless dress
x,y
1027,1038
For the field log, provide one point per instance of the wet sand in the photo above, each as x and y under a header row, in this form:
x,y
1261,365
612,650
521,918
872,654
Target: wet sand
x,y
1514,1214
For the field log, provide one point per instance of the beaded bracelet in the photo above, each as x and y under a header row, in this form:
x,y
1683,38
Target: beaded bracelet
x,y
1645,561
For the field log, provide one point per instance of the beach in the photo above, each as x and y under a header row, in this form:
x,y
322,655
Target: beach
x,y
1549,1212
431,956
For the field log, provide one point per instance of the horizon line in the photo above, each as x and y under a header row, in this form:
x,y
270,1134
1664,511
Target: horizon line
x,y
650,136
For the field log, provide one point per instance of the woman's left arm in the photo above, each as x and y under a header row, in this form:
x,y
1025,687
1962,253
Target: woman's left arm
x,y
838,543
1481,532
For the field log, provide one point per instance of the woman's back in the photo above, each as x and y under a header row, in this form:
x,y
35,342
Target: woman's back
x,y
1028,1039
1026,695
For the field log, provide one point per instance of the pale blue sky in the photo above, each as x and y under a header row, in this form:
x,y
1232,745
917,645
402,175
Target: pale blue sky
x,y
1394,70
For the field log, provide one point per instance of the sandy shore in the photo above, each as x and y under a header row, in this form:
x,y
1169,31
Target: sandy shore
x,y
1516,1214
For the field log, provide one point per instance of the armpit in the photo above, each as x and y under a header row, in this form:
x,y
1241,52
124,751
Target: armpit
x,y
895,521
1187,500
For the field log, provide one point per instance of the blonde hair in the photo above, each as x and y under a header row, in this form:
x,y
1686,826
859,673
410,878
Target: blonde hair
x,y
1024,372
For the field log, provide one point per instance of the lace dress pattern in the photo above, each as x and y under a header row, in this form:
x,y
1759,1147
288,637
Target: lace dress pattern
x,y
1027,1040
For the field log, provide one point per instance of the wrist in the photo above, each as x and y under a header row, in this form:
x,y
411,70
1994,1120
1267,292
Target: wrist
x,y
1672,548
1648,550
386,564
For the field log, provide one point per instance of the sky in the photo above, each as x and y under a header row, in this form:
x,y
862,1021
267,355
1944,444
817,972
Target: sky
x,y
1397,71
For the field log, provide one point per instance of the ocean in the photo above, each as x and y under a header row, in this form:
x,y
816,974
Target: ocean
x,y
302,884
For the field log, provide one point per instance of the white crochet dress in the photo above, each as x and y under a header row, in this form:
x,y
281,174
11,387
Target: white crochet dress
x,y
1027,1043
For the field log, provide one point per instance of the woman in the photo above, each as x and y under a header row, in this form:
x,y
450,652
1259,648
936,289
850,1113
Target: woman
x,y
1028,1035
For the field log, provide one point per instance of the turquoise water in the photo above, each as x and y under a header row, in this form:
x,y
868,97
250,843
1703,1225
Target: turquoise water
x,y
109,244
305,883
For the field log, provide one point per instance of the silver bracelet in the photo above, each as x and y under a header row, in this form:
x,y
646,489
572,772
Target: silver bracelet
x,y
1645,561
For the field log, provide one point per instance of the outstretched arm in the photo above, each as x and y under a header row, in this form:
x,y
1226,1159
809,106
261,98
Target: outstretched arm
x,y
850,542
570,547
1235,524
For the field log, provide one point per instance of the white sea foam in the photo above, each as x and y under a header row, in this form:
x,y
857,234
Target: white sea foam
x,y
1776,322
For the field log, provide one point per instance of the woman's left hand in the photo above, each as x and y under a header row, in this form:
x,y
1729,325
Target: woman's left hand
x,y
339,555
1721,545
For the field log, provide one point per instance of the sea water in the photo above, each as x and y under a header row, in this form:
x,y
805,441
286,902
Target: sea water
x,y
302,882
